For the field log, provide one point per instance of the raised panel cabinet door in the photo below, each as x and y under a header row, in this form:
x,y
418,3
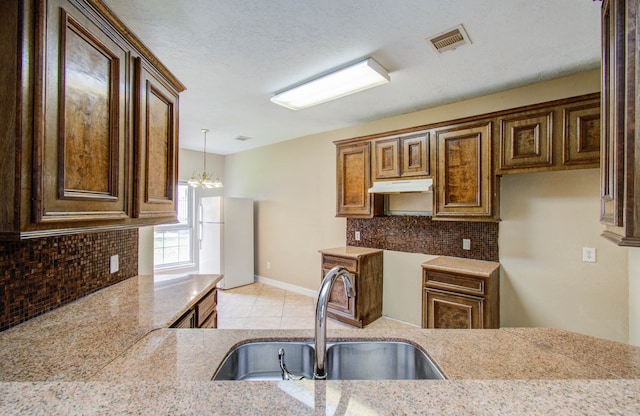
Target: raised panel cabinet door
x,y
353,180
581,138
463,178
387,159
156,162
80,149
526,141
415,155
339,304
453,311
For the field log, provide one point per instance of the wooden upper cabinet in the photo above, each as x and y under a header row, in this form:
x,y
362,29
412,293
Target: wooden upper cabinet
x,y
581,138
464,179
80,134
387,159
557,135
619,192
614,56
415,155
525,140
353,180
71,125
402,156
156,144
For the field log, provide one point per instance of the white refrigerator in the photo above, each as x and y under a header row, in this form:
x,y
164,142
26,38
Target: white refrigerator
x,y
226,239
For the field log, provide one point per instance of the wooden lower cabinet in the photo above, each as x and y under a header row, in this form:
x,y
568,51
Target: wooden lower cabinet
x,y
366,265
460,294
202,315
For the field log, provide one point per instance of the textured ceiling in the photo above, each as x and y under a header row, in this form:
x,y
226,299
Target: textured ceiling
x,y
232,55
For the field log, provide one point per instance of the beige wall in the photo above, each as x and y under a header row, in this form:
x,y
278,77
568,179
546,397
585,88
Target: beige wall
x,y
293,184
547,218
634,296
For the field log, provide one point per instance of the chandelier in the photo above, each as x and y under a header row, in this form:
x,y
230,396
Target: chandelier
x,y
205,179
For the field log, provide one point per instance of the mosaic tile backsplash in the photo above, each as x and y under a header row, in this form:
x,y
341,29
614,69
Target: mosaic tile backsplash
x,y
418,234
39,275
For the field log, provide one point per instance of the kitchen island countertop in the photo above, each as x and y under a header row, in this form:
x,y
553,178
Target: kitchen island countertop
x,y
129,362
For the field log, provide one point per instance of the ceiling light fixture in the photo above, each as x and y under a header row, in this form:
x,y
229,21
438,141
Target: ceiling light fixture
x,y
344,81
204,180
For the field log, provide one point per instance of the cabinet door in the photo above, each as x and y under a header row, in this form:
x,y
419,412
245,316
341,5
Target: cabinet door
x,y
451,310
156,163
581,138
387,159
415,155
80,149
463,177
353,179
339,305
526,140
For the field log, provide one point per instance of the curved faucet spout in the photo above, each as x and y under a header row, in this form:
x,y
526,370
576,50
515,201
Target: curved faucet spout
x,y
321,315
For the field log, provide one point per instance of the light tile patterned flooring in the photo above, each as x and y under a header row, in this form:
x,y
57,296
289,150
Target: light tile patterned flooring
x,y
259,306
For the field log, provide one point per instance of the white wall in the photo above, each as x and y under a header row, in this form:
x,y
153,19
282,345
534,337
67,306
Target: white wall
x,y
293,184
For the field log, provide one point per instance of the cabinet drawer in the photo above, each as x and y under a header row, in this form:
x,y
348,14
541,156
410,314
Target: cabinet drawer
x,y
206,306
453,282
329,262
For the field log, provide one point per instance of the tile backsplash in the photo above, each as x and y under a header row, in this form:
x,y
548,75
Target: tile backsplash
x,y
42,274
420,234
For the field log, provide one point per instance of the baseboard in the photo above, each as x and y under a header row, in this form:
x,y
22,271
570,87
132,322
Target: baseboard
x,y
286,286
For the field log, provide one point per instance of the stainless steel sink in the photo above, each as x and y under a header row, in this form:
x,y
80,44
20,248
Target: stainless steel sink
x,y
379,360
260,361
346,360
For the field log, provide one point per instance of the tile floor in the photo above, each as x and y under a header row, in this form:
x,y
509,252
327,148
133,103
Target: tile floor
x,y
260,306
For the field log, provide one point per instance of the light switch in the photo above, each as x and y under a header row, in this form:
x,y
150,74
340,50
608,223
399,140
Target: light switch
x,y
589,254
466,244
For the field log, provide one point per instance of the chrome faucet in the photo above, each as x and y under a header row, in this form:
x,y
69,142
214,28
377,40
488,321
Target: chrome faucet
x,y
321,315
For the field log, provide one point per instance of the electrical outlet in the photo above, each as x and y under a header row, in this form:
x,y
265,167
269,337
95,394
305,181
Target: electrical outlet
x,y
268,265
114,264
589,254
466,244
357,236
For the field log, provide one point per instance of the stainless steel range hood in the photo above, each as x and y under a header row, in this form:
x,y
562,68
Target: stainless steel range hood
x,y
396,187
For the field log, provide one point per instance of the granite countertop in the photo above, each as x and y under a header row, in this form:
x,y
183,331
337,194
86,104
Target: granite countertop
x,y
147,368
472,267
75,341
350,251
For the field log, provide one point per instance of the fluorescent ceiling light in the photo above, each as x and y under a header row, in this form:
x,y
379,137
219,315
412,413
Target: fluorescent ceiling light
x,y
348,80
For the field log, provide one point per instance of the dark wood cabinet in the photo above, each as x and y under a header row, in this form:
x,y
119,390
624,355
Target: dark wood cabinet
x,y
402,156
353,180
71,126
464,177
460,293
366,265
202,315
157,145
619,192
466,157
559,135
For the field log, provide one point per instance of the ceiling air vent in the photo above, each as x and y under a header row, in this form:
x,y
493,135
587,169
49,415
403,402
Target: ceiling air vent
x,y
449,40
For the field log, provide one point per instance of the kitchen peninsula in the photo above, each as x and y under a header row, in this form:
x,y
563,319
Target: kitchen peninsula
x,y
112,352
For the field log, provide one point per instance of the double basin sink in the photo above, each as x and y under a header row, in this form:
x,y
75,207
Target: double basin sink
x,y
346,360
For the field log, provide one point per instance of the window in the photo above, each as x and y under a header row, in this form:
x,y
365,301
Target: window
x,y
173,243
